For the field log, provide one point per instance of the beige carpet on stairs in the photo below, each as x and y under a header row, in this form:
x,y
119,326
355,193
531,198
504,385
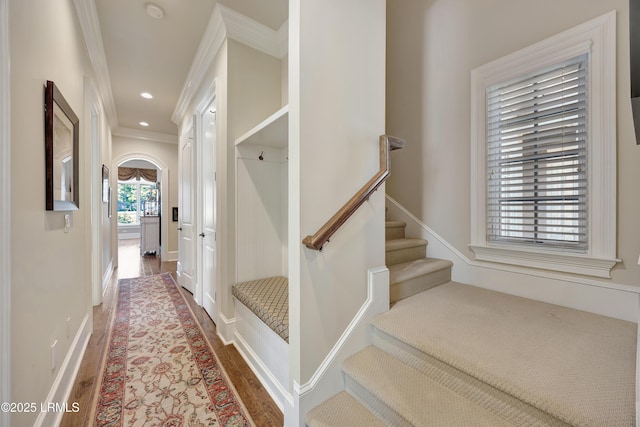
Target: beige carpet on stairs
x,y
577,366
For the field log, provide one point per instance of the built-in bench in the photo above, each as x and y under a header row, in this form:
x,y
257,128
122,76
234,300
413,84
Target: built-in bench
x,y
268,299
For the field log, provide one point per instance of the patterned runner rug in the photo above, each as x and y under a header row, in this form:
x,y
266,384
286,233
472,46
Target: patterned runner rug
x,y
160,370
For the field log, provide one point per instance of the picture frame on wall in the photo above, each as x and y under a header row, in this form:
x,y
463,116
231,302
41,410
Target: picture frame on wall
x,y
61,142
174,212
105,185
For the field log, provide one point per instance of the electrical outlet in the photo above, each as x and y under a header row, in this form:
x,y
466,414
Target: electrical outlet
x,y
54,358
67,222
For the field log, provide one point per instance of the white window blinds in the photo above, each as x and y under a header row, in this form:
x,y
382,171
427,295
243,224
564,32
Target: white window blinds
x,y
537,158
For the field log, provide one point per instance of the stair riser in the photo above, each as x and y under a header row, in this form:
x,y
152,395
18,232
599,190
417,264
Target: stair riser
x,y
373,404
392,233
406,254
418,284
497,401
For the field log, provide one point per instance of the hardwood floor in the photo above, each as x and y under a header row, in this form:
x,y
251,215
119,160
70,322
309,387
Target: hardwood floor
x,y
261,407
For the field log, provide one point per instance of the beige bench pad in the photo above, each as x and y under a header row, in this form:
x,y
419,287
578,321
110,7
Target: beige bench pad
x,y
269,300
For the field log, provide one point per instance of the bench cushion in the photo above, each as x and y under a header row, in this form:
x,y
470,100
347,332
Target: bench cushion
x,y
269,300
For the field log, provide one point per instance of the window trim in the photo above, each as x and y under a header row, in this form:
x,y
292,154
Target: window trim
x,y
596,37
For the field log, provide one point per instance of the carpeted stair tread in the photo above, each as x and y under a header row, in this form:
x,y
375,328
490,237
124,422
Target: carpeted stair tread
x,y
576,366
403,250
390,224
397,244
342,410
419,267
394,230
409,397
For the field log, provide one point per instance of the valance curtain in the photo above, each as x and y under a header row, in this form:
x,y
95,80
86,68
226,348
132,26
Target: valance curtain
x,y
125,174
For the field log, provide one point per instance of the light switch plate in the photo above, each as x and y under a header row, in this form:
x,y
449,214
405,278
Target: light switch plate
x,y
67,222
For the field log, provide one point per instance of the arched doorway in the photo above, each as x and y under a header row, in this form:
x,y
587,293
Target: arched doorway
x,y
142,161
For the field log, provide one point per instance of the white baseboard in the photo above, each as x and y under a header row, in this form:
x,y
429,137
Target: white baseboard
x,y
169,256
62,385
106,279
328,378
226,328
581,293
266,353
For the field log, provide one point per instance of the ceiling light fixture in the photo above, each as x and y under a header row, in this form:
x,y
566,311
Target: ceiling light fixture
x,y
146,95
145,124
154,11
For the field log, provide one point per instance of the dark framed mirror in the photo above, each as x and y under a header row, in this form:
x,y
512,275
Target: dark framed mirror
x,y
61,140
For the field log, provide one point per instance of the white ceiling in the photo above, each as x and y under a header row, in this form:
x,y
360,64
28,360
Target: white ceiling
x,y
146,54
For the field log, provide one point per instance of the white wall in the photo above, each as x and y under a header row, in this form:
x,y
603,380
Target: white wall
x,y
255,80
253,94
216,75
50,278
432,47
261,213
167,154
247,89
336,100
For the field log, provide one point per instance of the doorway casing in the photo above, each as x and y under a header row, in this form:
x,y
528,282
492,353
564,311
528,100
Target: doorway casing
x,y
164,186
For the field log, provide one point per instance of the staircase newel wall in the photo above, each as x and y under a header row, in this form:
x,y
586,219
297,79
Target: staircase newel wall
x,y
337,112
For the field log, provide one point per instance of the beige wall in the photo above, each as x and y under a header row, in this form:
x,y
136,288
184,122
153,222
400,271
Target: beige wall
x,y
50,278
167,155
254,88
432,47
336,100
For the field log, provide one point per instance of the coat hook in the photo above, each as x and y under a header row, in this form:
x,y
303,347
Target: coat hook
x,y
261,157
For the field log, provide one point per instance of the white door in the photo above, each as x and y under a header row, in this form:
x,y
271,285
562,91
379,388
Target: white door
x,y
208,206
186,243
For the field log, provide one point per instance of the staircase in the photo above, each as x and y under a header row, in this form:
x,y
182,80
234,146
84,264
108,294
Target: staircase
x,y
410,271
448,354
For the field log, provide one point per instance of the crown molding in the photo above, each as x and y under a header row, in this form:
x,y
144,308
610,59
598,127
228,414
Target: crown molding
x,y
145,135
88,17
211,42
252,33
227,23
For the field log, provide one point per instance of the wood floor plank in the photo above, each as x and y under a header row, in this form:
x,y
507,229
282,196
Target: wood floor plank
x,y
261,407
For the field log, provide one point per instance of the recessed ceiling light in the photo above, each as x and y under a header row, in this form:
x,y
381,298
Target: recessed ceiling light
x,y
154,11
145,124
146,95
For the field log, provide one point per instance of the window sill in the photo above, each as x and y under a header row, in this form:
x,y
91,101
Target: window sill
x,y
554,261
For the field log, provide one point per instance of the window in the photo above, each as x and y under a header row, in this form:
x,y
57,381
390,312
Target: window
x,y
543,154
537,158
132,196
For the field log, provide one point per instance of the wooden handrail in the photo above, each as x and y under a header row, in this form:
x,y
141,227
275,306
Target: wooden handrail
x,y
322,236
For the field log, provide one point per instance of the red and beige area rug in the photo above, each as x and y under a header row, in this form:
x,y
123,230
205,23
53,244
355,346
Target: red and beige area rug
x,y
159,369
